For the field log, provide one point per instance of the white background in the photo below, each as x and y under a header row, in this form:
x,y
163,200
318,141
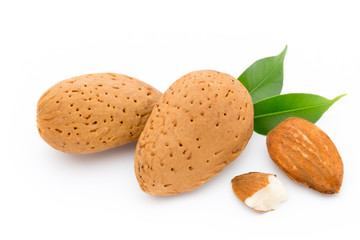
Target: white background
x,y
46,194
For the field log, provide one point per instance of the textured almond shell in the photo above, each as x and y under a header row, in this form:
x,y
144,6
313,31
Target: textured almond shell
x,y
306,155
201,124
94,112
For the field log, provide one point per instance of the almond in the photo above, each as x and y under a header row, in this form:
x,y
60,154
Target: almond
x,y
200,125
306,155
94,112
260,191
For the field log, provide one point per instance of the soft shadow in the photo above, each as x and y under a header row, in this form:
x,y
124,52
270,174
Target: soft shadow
x,y
246,208
121,152
207,186
179,195
294,186
210,185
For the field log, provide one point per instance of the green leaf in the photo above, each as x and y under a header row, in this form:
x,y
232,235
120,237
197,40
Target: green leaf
x,y
269,112
264,78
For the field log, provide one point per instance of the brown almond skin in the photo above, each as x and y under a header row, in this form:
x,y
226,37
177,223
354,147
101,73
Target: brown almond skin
x,y
247,184
94,112
201,124
306,155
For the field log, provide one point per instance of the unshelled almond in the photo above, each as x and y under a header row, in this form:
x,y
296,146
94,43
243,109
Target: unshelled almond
x,y
260,191
306,155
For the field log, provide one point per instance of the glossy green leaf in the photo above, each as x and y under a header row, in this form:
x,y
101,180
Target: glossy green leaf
x,y
264,78
269,112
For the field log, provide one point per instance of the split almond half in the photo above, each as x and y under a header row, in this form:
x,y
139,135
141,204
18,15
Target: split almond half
x,y
260,191
306,155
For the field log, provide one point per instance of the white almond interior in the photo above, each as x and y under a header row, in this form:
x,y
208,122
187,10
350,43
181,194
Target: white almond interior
x,y
269,197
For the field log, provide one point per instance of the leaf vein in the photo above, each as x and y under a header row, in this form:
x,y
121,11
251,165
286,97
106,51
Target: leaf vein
x,y
263,81
292,110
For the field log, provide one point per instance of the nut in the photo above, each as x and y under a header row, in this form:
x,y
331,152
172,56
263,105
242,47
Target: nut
x,y
201,124
260,191
306,155
94,112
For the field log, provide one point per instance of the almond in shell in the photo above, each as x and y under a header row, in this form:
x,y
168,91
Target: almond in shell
x,y
94,112
201,124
